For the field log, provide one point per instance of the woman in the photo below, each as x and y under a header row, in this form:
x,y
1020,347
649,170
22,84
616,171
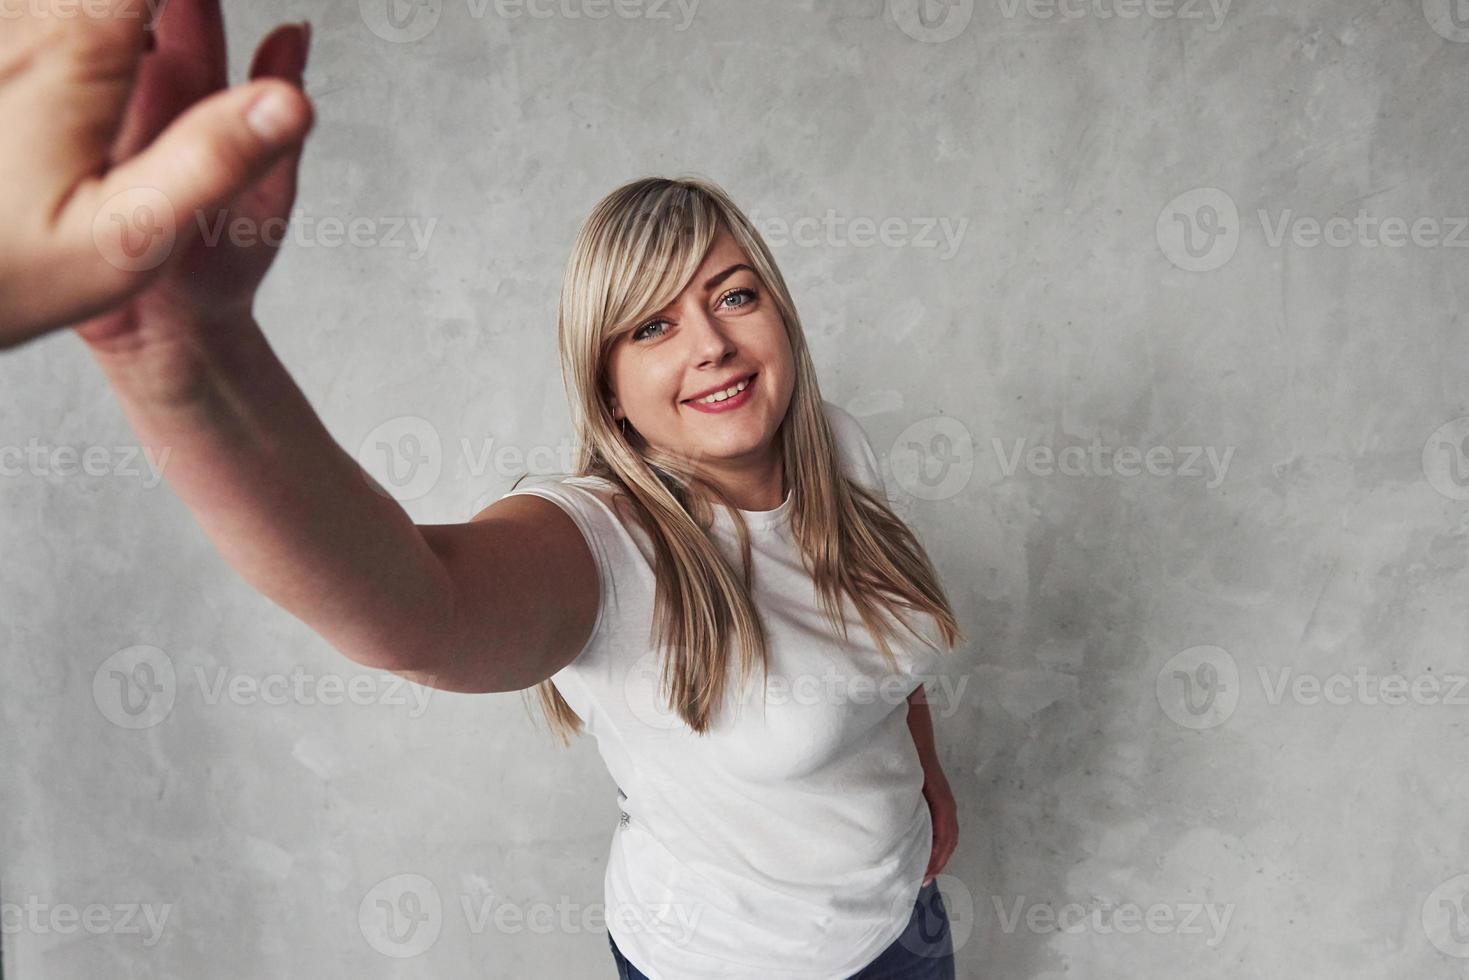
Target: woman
x,y
762,833
766,832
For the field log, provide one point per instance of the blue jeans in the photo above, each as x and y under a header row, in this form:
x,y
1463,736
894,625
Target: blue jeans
x,y
923,952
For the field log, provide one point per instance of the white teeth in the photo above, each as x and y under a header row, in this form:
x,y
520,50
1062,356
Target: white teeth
x,y
720,396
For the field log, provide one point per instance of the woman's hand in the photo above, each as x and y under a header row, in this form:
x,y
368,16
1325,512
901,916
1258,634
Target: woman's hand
x,y
217,268
945,812
106,164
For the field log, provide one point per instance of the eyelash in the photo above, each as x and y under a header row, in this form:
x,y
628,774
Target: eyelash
x,y
743,290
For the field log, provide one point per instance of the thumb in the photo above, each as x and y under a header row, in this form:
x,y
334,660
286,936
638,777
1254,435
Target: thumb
x,y
205,157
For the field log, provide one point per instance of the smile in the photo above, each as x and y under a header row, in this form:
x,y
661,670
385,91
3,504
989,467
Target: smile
x,y
730,402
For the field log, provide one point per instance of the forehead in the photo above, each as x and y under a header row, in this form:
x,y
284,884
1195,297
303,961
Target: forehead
x,y
723,252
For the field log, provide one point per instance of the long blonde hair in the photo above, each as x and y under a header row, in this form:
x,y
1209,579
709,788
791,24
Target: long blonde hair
x,y
633,255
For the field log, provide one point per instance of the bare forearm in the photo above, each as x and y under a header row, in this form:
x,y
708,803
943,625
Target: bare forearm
x,y
287,507
920,725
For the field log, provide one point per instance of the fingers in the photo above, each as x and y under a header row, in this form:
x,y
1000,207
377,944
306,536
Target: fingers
x,y
195,29
141,212
283,54
67,82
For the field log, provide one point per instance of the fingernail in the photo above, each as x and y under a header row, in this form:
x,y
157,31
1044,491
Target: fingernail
x,y
270,116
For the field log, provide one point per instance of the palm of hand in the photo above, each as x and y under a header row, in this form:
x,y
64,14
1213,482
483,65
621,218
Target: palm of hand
x,y
222,255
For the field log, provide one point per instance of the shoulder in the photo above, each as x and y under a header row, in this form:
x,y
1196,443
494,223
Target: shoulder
x,y
854,448
590,498
600,507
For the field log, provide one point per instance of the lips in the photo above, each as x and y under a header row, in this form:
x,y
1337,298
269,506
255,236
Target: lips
x,y
721,387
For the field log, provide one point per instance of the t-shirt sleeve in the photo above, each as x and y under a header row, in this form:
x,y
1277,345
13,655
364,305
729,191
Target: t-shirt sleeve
x,y
589,512
858,460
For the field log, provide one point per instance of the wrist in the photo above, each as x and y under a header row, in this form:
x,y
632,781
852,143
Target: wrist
x,y
172,360
933,775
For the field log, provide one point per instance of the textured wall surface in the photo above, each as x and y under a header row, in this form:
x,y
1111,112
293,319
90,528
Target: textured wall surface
x,y
1150,310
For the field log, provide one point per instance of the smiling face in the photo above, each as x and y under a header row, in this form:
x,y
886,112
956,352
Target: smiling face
x,y
723,329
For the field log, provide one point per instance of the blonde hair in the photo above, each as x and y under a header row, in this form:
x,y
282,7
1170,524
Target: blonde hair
x,y
633,256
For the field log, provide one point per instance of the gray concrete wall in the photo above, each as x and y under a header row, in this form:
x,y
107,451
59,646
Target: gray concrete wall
x,y
1153,321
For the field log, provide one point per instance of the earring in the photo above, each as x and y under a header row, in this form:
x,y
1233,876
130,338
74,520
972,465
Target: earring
x,y
622,424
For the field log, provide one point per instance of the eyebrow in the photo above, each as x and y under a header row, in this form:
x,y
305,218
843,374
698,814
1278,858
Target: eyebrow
x,y
718,278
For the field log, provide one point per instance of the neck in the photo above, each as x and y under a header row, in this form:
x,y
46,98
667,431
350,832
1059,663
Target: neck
x,y
759,487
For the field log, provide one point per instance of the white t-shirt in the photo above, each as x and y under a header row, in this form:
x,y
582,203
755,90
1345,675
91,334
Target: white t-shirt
x,y
788,843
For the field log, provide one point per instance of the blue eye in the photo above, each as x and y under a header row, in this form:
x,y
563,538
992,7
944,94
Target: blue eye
x,y
744,291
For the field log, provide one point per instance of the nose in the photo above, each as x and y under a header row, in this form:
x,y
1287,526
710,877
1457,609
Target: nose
x,y
712,345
